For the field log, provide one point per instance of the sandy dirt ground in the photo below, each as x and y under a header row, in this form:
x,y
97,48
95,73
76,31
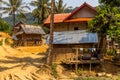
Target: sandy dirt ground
x,y
27,63
18,64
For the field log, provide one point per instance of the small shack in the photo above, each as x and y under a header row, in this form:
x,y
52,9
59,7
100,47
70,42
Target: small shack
x,y
27,35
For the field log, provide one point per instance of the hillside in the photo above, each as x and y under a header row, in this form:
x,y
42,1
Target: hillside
x,y
29,19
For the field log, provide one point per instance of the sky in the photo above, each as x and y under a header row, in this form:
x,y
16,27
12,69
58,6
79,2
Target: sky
x,y
76,3
73,3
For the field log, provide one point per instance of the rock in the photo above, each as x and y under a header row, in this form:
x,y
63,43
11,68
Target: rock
x,y
59,69
108,75
73,74
101,74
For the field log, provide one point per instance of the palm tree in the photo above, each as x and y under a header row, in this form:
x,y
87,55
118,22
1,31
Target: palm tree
x,y
42,9
60,7
13,7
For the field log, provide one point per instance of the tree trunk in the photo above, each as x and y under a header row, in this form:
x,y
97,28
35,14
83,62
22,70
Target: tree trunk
x,y
101,45
50,53
43,13
13,18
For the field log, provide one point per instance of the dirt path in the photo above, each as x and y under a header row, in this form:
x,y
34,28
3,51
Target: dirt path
x,y
18,65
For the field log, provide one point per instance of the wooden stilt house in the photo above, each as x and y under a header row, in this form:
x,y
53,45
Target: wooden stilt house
x,y
72,44
27,35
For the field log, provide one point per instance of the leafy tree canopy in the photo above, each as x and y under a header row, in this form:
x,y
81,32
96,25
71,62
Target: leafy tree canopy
x,y
106,22
112,3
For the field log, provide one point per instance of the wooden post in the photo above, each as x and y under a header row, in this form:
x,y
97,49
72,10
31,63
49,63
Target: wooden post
x,y
90,67
50,53
76,63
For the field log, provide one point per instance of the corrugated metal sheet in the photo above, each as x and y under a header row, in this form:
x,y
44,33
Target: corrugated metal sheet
x,y
30,29
74,37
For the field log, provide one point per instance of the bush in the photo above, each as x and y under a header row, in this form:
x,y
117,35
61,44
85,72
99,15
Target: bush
x,y
54,71
4,26
80,70
1,42
112,52
6,41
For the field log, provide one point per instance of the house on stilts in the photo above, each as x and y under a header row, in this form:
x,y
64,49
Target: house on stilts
x,y
72,43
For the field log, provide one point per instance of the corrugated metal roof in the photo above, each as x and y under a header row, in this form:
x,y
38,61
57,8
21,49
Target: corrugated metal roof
x,y
74,37
30,29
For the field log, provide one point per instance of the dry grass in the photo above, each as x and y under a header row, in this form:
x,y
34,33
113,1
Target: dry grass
x,y
34,49
5,35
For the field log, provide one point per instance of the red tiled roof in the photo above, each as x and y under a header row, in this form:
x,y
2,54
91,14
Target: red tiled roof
x,y
83,5
57,18
64,17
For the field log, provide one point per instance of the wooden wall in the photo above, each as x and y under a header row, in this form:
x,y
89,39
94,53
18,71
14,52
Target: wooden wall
x,y
85,13
70,26
61,54
67,52
29,40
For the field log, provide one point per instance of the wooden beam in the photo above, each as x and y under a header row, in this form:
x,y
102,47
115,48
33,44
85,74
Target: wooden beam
x,y
90,67
73,45
76,65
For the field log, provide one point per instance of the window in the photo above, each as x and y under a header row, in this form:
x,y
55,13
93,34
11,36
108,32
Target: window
x,y
76,28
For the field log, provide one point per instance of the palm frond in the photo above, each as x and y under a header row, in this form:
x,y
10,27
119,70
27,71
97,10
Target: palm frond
x,y
5,3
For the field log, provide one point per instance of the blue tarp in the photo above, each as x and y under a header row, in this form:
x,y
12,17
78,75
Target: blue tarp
x,y
74,37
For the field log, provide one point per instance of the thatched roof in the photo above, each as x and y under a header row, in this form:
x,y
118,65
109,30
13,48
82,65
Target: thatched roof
x,y
30,29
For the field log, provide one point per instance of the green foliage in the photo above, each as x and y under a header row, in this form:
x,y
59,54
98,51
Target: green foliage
x,y
118,77
7,41
77,79
80,70
28,20
60,7
42,9
90,78
13,7
111,52
47,30
106,22
54,71
4,27
1,42
112,3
